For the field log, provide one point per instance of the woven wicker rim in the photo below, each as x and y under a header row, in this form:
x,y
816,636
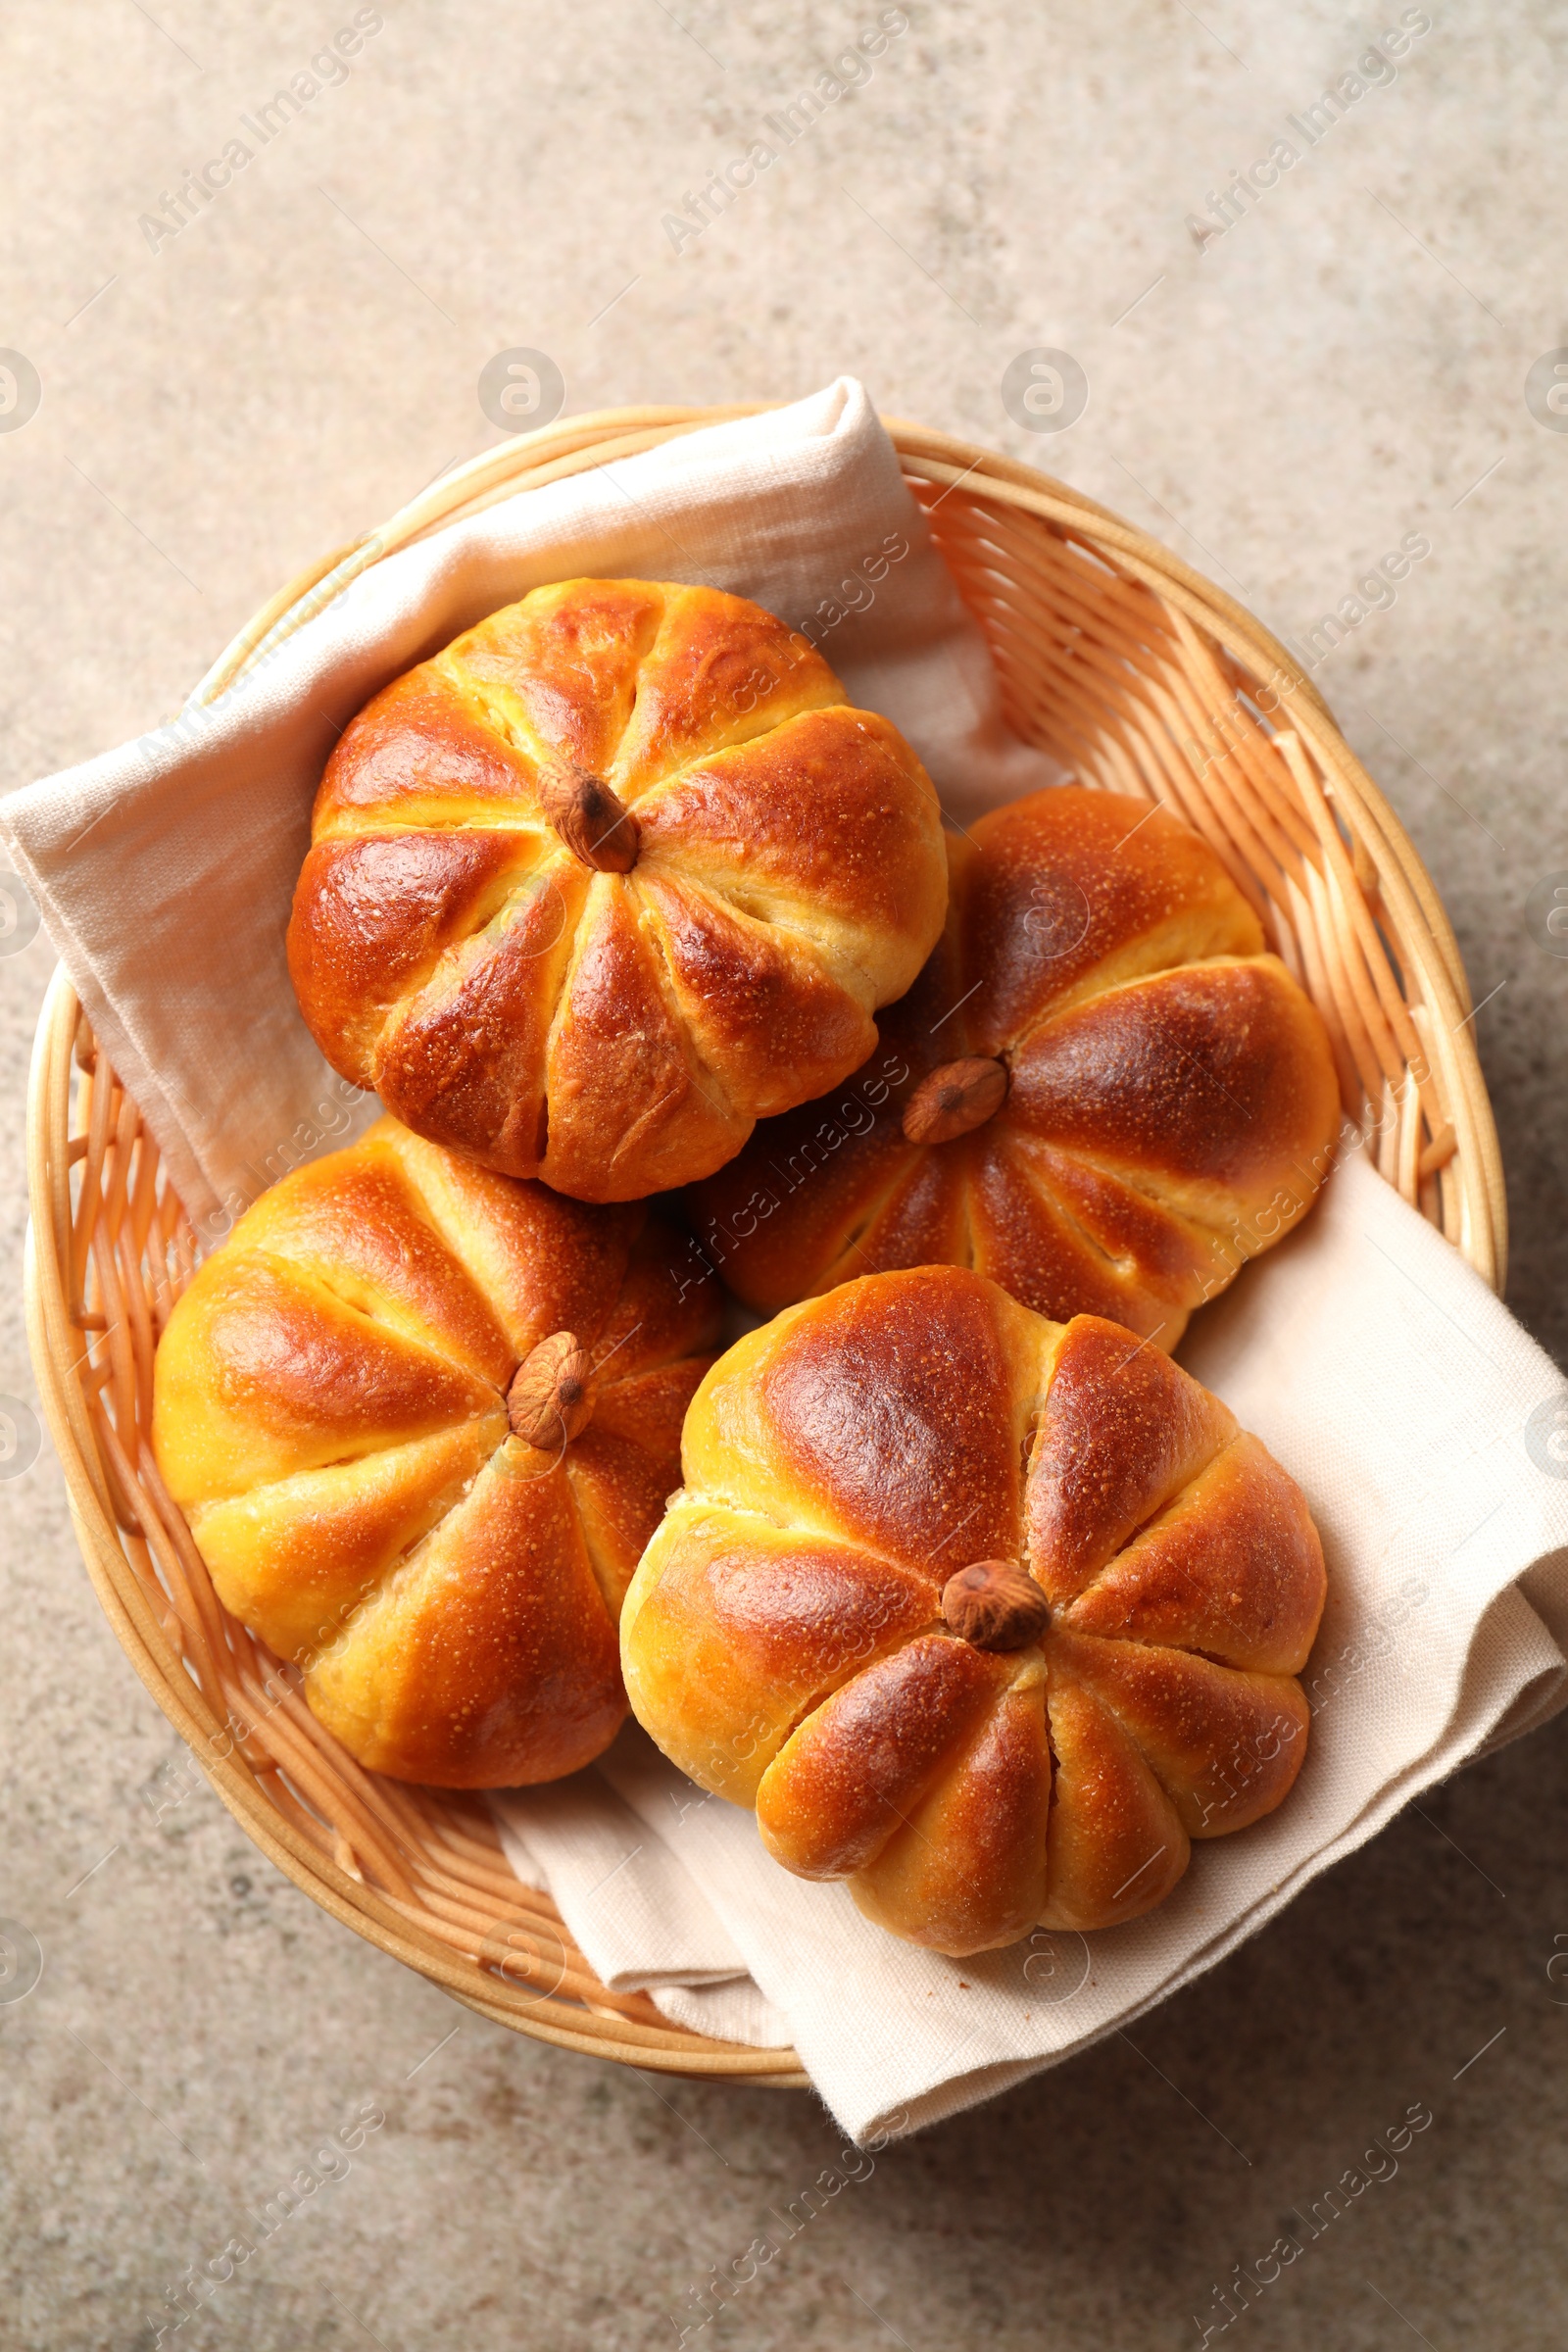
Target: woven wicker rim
x,y
1112,653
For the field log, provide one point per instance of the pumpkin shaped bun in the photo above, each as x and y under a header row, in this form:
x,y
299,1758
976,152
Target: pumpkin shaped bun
x,y
1101,1091
422,1420
987,1615
617,874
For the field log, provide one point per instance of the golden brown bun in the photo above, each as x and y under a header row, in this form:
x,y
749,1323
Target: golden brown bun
x,y
1169,1095
330,1413
785,1643
614,1033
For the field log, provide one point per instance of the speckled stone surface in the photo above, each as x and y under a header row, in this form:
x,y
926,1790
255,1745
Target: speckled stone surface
x,y
1284,388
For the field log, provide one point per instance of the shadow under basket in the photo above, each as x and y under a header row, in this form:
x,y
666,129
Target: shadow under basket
x,y
1112,655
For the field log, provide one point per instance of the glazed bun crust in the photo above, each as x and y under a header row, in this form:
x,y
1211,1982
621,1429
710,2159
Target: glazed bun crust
x,y
330,1414
1170,1098
615,1032
786,1638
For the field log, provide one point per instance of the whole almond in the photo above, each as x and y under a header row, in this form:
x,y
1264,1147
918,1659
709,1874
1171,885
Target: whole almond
x,y
549,1400
596,825
956,1097
994,1604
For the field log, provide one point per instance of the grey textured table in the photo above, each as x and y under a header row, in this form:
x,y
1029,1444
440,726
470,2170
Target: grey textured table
x,y
1284,383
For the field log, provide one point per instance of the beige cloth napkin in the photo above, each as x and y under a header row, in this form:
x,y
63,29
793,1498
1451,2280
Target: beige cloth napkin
x,y
163,871
1388,1379
1364,1351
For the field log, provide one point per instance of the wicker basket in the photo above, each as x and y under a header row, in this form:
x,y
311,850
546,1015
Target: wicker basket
x,y
1113,655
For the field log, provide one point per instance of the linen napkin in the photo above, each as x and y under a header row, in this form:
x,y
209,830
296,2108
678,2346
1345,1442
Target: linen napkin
x,y
650,1927
163,871
1430,1434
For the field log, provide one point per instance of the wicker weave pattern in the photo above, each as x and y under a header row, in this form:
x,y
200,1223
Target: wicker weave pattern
x,y
1114,656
